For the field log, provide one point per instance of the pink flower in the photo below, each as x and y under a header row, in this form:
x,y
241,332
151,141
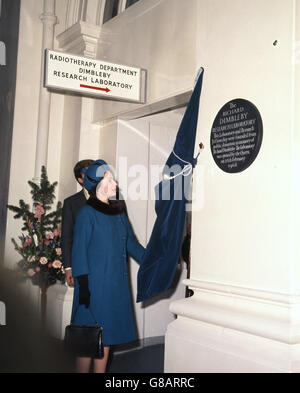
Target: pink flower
x,y
56,233
43,260
49,265
30,272
58,251
47,242
37,269
39,211
56,264
29,240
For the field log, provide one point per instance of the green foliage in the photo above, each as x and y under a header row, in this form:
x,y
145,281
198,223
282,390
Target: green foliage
x,y
40,247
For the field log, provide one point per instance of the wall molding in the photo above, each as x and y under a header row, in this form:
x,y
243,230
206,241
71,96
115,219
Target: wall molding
x,y
267,314
166,104
236,290
81,39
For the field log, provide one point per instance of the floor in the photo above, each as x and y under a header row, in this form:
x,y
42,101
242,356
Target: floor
x,y
149,359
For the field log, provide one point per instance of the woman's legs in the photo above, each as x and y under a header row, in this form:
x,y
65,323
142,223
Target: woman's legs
x,y
83,365
100,364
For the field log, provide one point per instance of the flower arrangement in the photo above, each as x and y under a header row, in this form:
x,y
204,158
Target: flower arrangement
x,y
40,246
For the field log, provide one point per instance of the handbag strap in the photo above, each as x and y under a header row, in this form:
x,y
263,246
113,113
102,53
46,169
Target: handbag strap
x,y
90,313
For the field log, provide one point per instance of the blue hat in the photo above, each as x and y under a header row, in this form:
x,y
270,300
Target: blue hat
x,y
95,174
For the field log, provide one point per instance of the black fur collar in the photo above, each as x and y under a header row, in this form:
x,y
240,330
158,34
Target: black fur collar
x,y
111,209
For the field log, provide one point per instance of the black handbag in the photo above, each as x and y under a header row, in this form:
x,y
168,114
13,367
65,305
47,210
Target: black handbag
x,y
85,341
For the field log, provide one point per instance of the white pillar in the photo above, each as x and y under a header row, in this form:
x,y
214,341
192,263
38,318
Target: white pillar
x,y
82,39
48,19
80,141
244,315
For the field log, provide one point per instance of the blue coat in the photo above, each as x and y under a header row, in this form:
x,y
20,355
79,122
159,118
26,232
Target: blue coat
x,y
100,247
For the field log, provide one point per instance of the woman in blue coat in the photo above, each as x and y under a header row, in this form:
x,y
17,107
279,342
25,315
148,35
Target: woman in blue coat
x,y
102,238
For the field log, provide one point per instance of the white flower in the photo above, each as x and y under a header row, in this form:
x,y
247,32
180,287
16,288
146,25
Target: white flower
x,y
35,239
43,260
56,264
31,259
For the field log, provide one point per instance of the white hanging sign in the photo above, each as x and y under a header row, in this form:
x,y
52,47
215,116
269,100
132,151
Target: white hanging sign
x,y
86,76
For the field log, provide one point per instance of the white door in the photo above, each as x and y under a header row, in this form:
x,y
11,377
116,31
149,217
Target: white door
x,y
143,146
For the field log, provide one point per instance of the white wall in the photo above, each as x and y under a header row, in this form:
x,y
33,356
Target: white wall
x,y
159,36
244,230
244,316
108,142
25,115
296,140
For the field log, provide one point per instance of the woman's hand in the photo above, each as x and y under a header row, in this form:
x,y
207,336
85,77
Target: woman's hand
x,y
69,278
84,293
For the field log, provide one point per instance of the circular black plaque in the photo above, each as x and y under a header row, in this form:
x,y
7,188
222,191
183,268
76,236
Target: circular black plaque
x,y
236,135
